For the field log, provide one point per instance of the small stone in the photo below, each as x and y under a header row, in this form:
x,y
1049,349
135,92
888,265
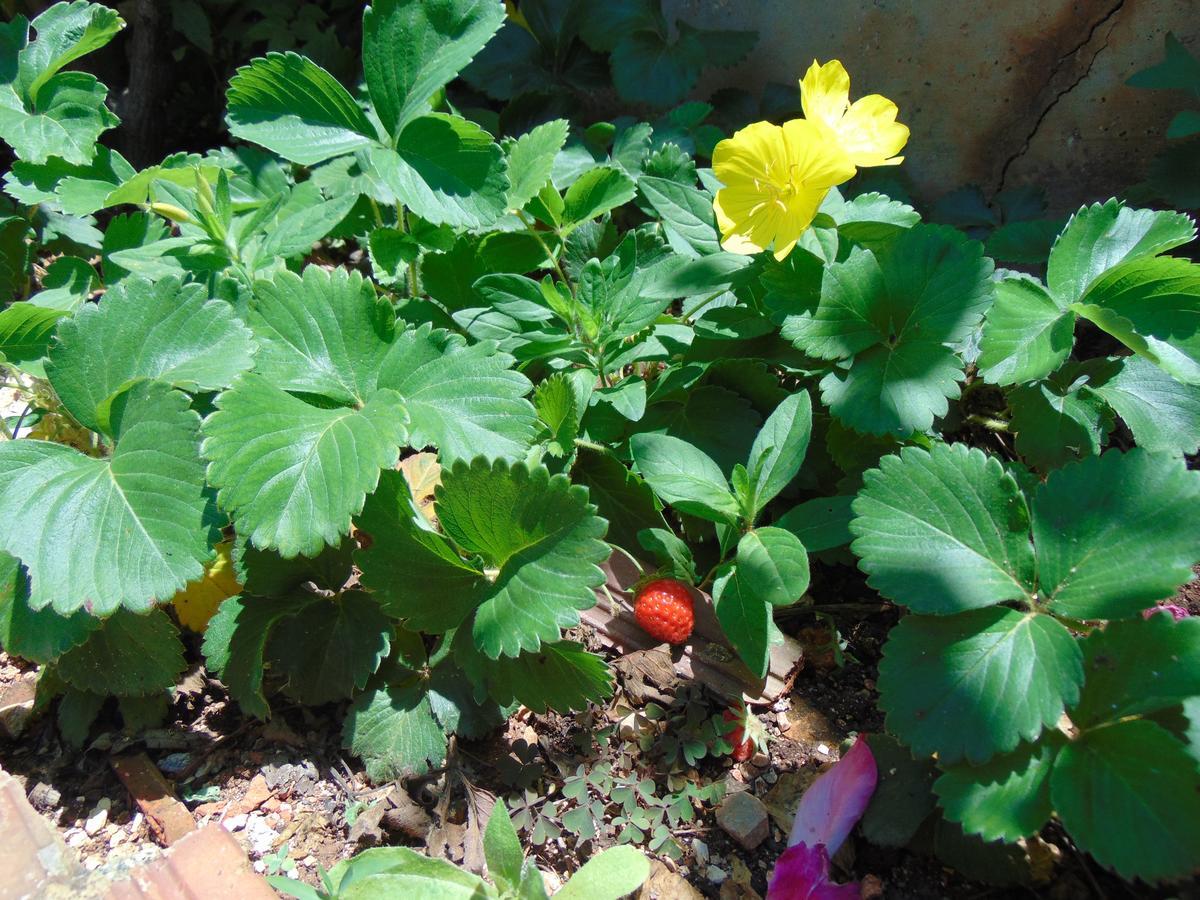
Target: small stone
x,y
700,851
823,749
236,823
770,776
92,863
261,836
760,760
76,838
256,795
871,888
98,817
716,874
44,797
744,818
260,866
117,838
136,822
174,763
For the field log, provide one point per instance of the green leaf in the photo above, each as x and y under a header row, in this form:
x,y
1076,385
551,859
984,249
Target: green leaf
x,y
1007,798
39,636
293,107
669,551
1100,236
502,848
1138,667
77,710
139,513
844,322
562,675
686,213
1056,424
1151,306
779,448
411,49
620,496
66,119
1026,336
163,331
1024,243
1114,533
447,170
306,218
745,617
329,648
321,333
463,399
594,193
413,571
416,875
974,684
773,564
235,643
294,474
393,729
130,655
1163,414
392,252
684,477
613,873
713,419
65,32
894,390
869,218
1139,775
67,284
903,797
943,531
821,523
531,158
25,333
542,536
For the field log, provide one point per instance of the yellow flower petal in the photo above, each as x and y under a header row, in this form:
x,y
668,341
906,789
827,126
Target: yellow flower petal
x,y
866,130
775,178
825,92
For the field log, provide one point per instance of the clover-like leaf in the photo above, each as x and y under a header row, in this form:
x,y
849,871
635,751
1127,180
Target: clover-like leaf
x,y
1145,780
329,648
393,729
539,535
466,400
293,474
1115,533
1006,798
944,530
1103,235
1027,335
411,49
39,636
130,654
293,107
163,331
105,533
975,684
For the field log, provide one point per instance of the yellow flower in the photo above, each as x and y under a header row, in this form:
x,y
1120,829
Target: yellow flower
x,y
199,599
775,178
866,129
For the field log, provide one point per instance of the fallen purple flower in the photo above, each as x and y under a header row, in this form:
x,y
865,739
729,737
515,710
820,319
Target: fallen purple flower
x,y
1177,612
829,809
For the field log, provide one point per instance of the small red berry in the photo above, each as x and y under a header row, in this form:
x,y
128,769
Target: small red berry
x,y
664,609
743,748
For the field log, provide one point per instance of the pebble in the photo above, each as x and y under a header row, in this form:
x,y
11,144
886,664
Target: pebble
x,y
136,822
823,749
98,817
716,874
117,838
261,836
76,838
744,818
760,760
236,823
43,796
174,763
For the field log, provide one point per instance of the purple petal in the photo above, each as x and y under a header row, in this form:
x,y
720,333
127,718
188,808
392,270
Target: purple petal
x,y
802,873
836,800
1177,612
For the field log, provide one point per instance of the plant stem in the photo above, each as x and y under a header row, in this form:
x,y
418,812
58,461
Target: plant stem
x,y
989,422
558,269
693,314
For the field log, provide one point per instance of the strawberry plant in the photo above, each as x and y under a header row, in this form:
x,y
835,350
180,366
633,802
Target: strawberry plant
x,y
369,397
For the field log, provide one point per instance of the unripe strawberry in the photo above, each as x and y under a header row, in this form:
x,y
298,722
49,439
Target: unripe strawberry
x,y
664,609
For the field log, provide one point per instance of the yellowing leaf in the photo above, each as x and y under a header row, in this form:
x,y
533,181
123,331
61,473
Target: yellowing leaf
x,y
198,602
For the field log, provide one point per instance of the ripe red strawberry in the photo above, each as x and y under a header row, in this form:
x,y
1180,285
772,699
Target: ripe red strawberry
x,y
664,609
747,733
